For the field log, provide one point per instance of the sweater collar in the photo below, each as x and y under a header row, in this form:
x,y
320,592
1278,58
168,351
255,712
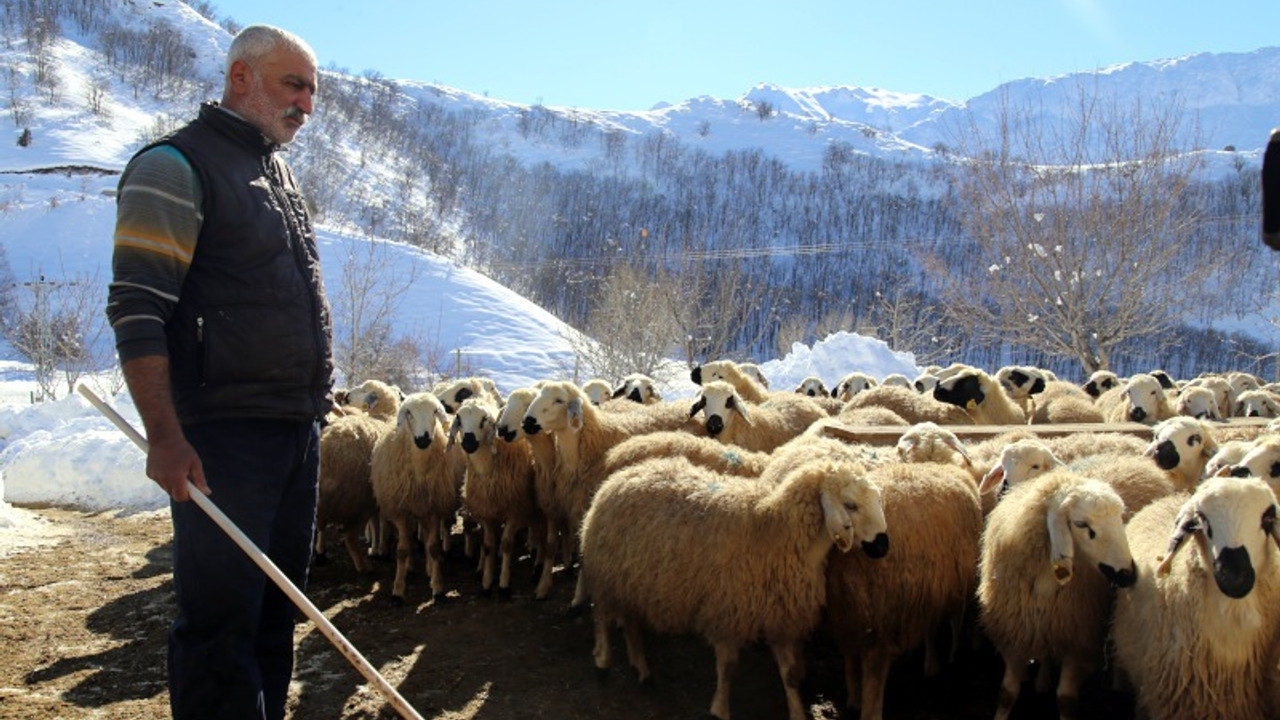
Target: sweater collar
x,y
229,123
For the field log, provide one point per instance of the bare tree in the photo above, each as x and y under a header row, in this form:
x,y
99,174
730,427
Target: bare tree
x,y
628,325
364,307
1081,229
57,325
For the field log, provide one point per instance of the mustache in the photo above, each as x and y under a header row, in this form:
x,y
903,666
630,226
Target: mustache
x,y
294,112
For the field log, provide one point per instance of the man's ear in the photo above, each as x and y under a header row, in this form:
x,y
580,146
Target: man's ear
x,y
240,77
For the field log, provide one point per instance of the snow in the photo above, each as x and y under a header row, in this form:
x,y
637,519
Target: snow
x,y
64,453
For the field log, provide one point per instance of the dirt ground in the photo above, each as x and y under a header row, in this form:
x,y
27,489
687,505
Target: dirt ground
x,y
83,623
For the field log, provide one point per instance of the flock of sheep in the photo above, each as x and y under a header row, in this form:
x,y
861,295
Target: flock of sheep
x,y
746,515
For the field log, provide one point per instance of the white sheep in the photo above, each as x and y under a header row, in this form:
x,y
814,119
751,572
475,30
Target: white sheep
x,y
879,609
753,371
1036,601
1022,383
897,380
813,387
684,549
451,393
498,490
730,372
417,480
981,397
762,428
1182,447
1140,399
852,384
1198,402
583,433
1229,453
1261,461
1198,634
1220,388
909,405
1256,403
345,495
702,451
925,382
639,388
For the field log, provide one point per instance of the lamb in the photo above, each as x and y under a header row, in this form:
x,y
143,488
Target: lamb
x,y
1036,602
910,406
852,384
1182,446
877,610
1141,399
345,496
582,434
376,398
415,479
1198,634
1256,403
1198,402
497,491
542,447
981,397
1064,402
1099,383
762,428
752,556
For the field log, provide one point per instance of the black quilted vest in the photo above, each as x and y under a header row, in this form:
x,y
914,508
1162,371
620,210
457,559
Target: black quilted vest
x,y
251,336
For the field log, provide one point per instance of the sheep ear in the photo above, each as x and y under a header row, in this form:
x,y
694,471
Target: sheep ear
x,y
736,403
954,443
698,406
1270,524
619,392
836,517
906,445
1209,446
574,413
1061,546
992,479
1186,525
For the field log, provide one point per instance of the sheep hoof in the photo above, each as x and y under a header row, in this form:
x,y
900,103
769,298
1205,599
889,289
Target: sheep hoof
x,y
397,600
320,559
602,676
574,611
504,594
646,683
486,592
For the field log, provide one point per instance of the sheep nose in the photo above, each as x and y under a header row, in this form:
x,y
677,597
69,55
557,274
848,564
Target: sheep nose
x,y
715,425
877,548
469,443
1240,471
634,396
530,425
1233,572
1120,578
507,433
1137,414
1167,455
422,441
696,375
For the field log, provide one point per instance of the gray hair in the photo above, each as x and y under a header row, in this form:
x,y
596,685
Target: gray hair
x,y
257,41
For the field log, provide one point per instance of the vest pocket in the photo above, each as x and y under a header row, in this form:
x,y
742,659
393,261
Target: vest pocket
x,y
256,343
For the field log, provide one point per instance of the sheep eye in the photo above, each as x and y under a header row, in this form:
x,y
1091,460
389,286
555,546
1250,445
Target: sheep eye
x,y
1269,519
851,506
1085,526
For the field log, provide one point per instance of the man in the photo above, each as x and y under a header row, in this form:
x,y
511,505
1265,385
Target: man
x,y
223,331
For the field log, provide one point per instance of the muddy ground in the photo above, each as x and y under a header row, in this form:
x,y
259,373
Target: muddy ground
x,y
83,623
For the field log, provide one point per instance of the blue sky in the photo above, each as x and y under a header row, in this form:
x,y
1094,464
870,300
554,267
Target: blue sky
x,y
629,56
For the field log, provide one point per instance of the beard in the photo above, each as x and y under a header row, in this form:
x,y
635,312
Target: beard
x,y
278,125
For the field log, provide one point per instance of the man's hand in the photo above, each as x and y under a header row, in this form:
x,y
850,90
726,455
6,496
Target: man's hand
x,y
171,462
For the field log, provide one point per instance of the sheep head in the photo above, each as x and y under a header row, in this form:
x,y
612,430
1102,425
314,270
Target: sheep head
x,y
1019,382
475,422
719,403
1100,382
420,415
812,386
966,389
638,387
1256,403
513,412
1180,442
927,442
852,384
1232,520
853,508
1199,402
1145,396
559,407
1019,462
1085,518
1262,461
598,391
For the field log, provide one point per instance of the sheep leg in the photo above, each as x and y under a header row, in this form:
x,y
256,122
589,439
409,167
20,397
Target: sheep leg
x,y
435,560
488,558
351,540
634,635
1015,670
602,653
790,659
875,678
404,558
853,679
507,547
548,565
726,665
579,593
1044,677
1069,680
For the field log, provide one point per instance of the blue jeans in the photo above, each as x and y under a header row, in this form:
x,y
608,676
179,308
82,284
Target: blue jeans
x,y
231,645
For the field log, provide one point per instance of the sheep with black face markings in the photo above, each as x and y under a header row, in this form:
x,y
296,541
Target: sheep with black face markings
x,y
638,388
909,405
1198,402
1182,446
753,556
1256,403
852,384
498,490
1099,383
1199,634
1064,402
1140,399
981,397
762,428
1036,601
416,479
376,398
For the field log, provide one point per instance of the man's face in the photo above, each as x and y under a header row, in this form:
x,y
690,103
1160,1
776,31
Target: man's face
x,y
275,95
